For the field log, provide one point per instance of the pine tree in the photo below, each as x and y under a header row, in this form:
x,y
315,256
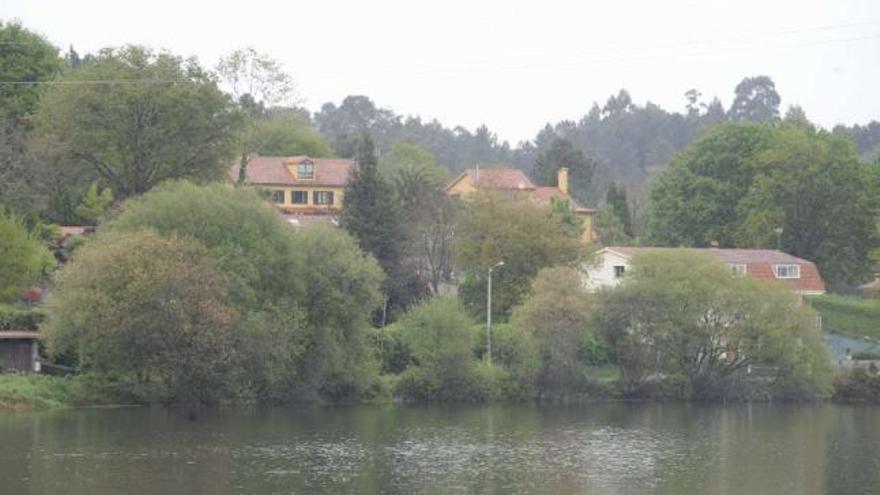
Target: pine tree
x,y
370,215
615,198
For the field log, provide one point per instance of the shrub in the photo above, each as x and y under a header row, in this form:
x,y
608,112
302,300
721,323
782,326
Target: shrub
x,y
13,318
23,258
858,385
148,307
441,339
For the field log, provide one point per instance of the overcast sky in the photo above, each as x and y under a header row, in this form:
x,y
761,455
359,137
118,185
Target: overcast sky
x,y
511,65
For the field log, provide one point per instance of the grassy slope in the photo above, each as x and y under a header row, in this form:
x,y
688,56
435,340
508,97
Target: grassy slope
x,y
849,315
39,392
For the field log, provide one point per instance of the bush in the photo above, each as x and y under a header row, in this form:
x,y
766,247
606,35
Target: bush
x,y
866,356
858,385
441,339
151,308
24,258
13,318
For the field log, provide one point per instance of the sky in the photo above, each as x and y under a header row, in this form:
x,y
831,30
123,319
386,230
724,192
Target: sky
x,y
511,65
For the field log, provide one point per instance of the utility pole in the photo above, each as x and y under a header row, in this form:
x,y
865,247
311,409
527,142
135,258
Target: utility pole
x,y
489,312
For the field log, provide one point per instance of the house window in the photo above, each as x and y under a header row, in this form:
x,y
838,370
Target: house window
x,y
322,197
300,197
787,271
278,196
305,171
619,270
738,269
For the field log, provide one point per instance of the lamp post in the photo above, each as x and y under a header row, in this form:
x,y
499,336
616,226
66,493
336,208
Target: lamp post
x,y
489,312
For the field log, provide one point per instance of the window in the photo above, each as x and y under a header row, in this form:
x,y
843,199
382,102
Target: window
x,y
305,170
322,197
787,271
299,197
278,197
738,269
619,270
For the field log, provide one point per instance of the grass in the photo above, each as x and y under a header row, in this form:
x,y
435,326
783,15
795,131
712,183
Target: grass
x,y
849,315
32,392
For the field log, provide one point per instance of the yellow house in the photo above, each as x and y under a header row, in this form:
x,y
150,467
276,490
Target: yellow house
x,y
299,185
514,181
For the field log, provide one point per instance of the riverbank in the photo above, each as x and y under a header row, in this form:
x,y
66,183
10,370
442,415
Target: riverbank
x,y
26,393
849,315
43,392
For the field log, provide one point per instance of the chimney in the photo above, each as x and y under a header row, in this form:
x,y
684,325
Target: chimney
x,y
562,180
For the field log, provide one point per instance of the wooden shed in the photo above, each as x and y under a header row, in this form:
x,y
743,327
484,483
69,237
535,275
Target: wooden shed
x,y
19,351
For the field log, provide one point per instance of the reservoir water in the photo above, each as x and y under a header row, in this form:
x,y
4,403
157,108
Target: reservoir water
x,y
618,448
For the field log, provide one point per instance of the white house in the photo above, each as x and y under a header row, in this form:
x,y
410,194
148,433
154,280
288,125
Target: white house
x,y
800,275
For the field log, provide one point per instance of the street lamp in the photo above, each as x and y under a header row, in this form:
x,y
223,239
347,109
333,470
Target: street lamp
x,y
489,312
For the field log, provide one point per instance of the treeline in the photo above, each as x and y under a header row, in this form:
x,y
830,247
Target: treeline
x,y
204,294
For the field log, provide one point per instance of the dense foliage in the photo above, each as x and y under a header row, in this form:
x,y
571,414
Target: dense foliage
x,y
685,315
527,237
303,298
23,258
133,118
741,182
150,307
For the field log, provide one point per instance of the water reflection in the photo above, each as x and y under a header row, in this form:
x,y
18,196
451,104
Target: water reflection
x,y
604,449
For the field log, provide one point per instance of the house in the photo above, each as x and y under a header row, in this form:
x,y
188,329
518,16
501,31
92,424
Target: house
x,y
513,181
302,187
19,351
800,275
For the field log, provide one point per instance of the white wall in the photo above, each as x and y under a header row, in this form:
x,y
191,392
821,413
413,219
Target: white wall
x,y
600,274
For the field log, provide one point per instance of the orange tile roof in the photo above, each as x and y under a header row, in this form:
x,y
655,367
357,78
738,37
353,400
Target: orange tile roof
x,y
759,264
272,170
501,178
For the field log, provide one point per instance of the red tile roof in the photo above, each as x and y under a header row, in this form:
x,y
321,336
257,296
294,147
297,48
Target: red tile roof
x,y
759,264
543,194
273,170
501,178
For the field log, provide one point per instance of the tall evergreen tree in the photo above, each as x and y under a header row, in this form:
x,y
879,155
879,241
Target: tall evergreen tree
x,y
370,215
615,198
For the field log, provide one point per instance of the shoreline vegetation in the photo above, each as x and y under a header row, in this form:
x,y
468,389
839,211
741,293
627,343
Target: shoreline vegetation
x,y
23,393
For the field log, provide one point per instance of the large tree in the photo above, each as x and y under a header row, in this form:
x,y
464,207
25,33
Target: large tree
x,y
741,182
562,153
26,60
371,215
680,314
133,118
756,100
527,237
151,308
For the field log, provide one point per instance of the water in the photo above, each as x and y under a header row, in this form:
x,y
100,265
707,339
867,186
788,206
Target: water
x,y
597,449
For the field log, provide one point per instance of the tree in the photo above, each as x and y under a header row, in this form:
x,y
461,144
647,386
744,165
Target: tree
x,y
151,308
26,58
741,182
134,118
527,237
407,157
756,100
370,215
616,200
342,285
609,229
685,314
557,316
23,258
256,77
440,337
563,154
303,296
94,204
